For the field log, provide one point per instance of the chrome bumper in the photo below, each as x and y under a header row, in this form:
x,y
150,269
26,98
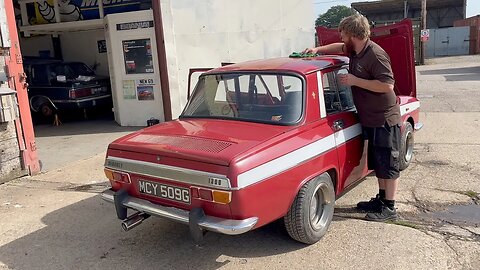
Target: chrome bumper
x,y
418,126
209,223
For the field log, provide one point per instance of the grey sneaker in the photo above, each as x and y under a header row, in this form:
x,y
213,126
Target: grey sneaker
x,y
374,205
384,214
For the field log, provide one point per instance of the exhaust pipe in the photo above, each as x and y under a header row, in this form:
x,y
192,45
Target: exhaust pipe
x,y
133,221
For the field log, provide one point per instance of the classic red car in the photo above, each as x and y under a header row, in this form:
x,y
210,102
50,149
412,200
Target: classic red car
x,y
258,141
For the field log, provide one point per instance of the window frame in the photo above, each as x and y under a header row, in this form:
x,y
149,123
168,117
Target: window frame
x,y
333,85
300,76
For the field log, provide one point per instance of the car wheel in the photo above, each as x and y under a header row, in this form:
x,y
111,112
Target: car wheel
x,y
406,148
46,109
311,212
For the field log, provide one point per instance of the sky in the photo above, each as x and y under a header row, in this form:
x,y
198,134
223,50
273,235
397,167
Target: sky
x,y
321,6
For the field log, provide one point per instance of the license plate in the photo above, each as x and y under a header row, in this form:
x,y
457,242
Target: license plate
x,y
163,191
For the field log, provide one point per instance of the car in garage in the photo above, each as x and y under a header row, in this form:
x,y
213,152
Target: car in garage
x,y
257,141
55,86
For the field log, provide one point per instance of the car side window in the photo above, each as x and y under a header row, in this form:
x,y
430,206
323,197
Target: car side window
x,y
344,92
330,93
39,75
338,97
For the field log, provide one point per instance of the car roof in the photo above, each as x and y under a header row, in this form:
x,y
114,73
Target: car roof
x,y
46,61
299,65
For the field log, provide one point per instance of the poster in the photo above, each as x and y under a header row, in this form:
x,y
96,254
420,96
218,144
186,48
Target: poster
x,y
138,56
102,46
129,89
78,10
145,89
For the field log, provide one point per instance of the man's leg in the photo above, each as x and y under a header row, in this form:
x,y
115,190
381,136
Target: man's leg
x,y
391,186
375,203
381,188
387,171
390,192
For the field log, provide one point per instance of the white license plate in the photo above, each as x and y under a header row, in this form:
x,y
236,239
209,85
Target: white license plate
x,y
163,191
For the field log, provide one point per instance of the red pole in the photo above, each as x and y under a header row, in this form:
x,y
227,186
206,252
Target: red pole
x,y
24,125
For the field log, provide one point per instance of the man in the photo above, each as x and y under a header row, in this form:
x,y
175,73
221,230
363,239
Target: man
x,y
372,83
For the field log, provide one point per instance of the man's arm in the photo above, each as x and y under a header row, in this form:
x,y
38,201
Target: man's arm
x,y
372,85
334,48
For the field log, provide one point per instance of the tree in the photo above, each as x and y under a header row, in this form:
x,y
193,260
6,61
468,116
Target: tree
x,y
333,16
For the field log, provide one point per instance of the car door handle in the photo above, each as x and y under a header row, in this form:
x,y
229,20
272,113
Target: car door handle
x,y
338,125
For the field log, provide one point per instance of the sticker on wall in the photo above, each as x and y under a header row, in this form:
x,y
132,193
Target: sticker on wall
x,y
145,89
102,46
129,89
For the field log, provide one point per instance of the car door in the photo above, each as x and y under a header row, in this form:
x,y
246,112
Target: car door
x,y
343,119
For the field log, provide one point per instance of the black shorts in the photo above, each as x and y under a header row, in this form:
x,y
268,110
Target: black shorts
x,y
383,150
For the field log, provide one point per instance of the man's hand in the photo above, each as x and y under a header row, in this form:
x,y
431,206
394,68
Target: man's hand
x,y
348,79
310,50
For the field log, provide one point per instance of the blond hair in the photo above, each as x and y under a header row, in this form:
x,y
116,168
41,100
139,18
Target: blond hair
x,y
356,26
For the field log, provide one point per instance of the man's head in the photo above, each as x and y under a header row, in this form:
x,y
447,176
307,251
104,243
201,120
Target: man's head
x,y
353,29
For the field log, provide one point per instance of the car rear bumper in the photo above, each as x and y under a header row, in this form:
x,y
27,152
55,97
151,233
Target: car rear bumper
x,y
83,102
418,126
209,223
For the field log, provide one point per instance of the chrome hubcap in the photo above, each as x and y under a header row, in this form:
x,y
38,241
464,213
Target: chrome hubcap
x,y
409,146
319,205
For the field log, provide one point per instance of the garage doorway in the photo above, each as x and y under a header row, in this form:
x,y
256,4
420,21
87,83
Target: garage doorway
x,y
66,61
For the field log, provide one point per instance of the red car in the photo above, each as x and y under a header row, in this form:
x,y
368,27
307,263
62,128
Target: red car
x,y
258,141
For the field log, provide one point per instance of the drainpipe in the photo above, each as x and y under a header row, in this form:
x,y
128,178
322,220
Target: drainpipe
x,y
17,81
162,59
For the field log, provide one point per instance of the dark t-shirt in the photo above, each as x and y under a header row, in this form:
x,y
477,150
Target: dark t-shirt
x,y
374,109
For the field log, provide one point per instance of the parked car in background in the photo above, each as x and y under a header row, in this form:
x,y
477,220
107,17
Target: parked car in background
x,y
59,86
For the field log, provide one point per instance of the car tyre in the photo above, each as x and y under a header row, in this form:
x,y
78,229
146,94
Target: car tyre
x,y
46,110
311,212
406,148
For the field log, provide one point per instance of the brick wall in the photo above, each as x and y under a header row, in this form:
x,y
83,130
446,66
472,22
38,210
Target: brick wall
x,y
10,162
474,23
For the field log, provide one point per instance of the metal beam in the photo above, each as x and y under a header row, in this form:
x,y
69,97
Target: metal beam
x,y
424,26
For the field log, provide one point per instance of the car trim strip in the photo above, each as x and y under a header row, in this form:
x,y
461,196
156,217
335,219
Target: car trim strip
x,y
80,100
409,107
321,97
297,157
166,172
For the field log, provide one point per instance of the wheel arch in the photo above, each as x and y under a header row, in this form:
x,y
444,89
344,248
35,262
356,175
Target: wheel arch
x,y
410,120
37,101
331,171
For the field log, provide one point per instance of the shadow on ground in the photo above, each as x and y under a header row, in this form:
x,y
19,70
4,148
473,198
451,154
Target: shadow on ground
x,y
87,235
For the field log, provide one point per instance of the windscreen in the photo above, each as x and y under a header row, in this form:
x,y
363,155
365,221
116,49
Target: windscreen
x,y
256,97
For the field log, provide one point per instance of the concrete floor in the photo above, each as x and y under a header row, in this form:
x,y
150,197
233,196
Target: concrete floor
x,y
56,220
75,140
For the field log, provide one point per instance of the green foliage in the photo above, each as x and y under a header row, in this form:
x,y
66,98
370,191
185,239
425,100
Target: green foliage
x,y
333,16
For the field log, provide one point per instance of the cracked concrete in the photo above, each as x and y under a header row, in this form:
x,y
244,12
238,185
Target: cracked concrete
x,y
56,220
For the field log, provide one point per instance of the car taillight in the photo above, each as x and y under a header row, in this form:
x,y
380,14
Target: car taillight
x,y
78,93
217,196
117,176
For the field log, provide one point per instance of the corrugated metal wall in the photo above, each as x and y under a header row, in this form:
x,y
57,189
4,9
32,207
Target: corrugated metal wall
x,y
448,42
474,23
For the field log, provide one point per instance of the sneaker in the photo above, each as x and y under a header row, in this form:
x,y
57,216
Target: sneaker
x,y
383,215
374,205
